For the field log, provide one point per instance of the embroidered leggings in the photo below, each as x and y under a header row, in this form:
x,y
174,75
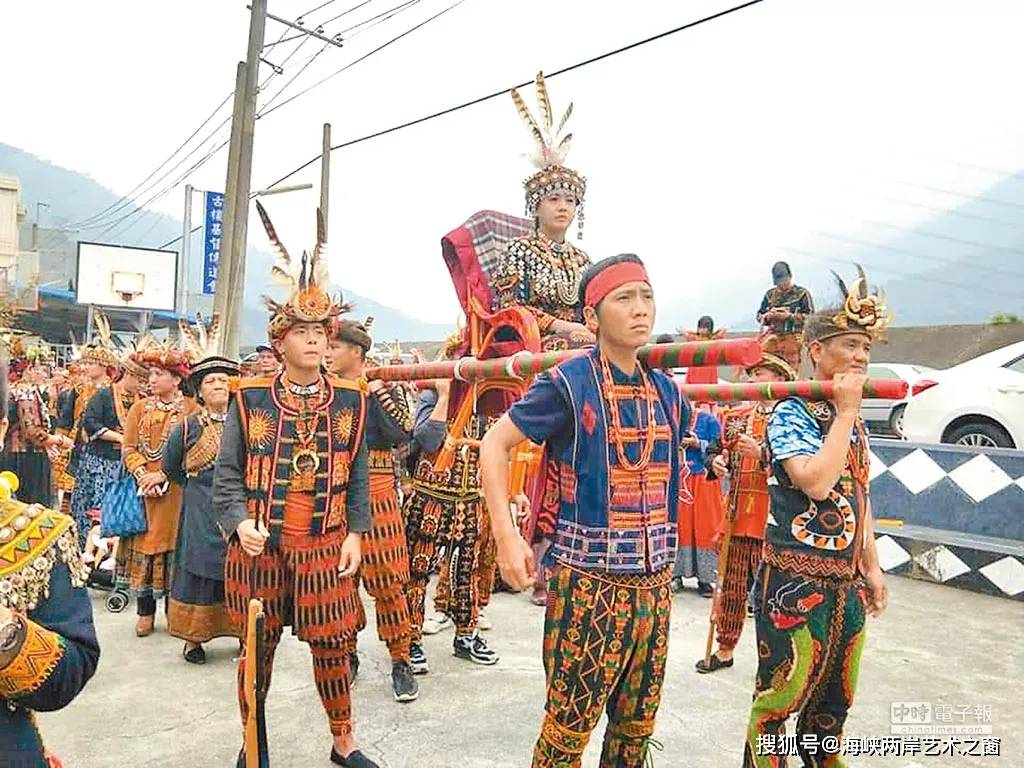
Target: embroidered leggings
x,y
605,646
809,639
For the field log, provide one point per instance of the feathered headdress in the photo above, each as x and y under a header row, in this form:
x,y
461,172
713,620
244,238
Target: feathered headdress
x,y
102,349
308,300
202,344
863,311
549,152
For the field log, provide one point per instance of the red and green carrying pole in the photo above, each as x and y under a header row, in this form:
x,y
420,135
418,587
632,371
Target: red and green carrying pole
x,y
740,352
743,353
884,389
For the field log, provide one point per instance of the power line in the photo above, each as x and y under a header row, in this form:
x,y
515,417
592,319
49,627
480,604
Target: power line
x,y
367,55
961,195
950,211
496,94
138,190
379,18
116,203
938,236
904,252
889,270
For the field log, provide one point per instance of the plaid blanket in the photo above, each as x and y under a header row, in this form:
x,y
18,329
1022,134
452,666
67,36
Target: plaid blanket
x,y
472,253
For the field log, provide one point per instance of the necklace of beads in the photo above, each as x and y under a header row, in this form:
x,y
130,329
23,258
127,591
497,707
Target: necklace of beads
x,y
647,449
149,450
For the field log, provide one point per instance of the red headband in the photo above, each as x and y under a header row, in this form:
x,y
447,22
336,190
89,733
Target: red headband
x,y
615,276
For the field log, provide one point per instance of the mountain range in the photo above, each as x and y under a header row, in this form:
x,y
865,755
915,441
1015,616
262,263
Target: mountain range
x,y
72,197
961,266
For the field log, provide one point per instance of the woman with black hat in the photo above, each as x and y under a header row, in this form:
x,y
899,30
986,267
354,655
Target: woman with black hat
x,y
196,611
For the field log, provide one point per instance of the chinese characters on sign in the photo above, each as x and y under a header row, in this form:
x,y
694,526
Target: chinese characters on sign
x,y
211,240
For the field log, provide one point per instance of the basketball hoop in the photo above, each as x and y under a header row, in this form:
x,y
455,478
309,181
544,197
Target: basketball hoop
x,y
127,285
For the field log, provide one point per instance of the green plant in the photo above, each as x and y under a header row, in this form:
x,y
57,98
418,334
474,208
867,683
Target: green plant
x,y
1005,318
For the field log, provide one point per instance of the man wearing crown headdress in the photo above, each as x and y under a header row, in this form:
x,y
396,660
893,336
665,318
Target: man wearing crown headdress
x,y
145,560
743,444
613,428
196,612
102,428
385,557
96,363
820,571
292,494
542,272
31,439
48,645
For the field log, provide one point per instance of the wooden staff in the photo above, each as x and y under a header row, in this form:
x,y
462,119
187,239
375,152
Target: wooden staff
x,y
256,755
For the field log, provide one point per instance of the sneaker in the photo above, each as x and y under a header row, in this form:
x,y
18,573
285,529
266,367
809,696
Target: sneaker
x,y
483,622
403,684
436,622
473,648
353,668
418,660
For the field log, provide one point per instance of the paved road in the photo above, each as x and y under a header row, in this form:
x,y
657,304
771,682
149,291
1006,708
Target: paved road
x,y
147,708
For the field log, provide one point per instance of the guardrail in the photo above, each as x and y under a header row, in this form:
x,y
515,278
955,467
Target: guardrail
x,y
959,514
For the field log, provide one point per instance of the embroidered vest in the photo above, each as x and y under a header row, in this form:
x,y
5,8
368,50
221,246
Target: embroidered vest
x,y
269,426
748,484
610,518
388,424
819,538
462,481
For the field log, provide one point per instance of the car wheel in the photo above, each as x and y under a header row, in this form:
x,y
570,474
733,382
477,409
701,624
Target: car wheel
x,y
896,420
980,434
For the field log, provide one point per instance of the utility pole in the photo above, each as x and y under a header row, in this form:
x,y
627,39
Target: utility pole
x,y
230,294
186,239
224,267
325,176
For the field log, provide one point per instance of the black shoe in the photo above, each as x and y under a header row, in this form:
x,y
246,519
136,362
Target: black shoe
x,y
194,655
473,648
353,668
240,763
715,665
418,660
403,684
356,759
676,585
704,589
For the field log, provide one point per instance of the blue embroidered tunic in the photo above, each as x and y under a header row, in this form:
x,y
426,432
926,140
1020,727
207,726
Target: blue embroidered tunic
x,y
610,518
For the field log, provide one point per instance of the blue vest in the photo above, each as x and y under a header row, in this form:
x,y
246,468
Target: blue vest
x,y
610,518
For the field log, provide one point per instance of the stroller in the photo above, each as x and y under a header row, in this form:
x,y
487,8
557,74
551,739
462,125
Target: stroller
x,y
101,555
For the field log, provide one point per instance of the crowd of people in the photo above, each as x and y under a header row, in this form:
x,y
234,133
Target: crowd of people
x,y
298,480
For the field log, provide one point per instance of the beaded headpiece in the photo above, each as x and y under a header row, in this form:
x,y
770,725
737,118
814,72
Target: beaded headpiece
x,y
102,349
863,311
549,153
308,301
164,355
202,343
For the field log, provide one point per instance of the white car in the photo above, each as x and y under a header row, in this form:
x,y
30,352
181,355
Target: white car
x,y
887,415
977,403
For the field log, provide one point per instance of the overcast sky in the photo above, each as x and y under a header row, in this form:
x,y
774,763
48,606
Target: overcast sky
x,y
707,152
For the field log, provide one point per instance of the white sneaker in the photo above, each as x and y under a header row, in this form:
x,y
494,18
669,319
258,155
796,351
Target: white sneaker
x,y
436,622
482,621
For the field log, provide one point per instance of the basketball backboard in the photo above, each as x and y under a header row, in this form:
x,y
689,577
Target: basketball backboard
x,y
126,277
